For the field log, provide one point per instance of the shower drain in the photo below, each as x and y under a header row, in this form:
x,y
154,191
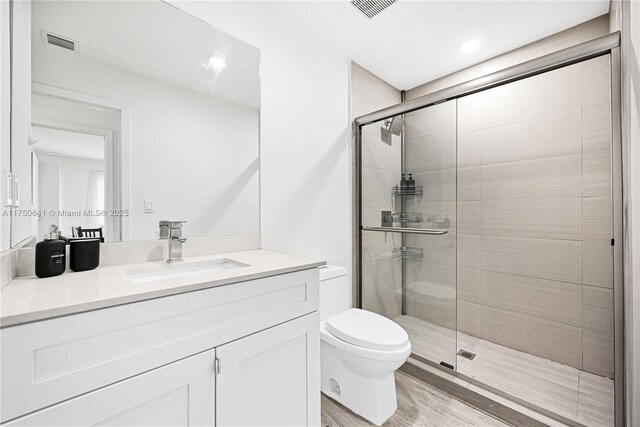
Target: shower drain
x,y
466,354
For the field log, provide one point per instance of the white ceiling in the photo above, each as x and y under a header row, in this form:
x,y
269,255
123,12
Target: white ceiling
x,y
153,39
62,143
414,42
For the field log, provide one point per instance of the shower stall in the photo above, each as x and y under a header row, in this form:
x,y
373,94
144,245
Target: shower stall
x,y
488,215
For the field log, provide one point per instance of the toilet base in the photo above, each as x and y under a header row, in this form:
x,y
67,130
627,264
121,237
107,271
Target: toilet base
x,y
373,397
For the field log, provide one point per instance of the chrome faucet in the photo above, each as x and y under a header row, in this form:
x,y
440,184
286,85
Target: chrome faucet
x,y
172,230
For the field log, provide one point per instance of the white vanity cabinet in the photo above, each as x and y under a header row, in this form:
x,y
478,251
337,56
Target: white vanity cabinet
x,y
178,394
247,353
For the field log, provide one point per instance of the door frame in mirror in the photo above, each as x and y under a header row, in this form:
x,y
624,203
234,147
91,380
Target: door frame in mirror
x,y
112,224
116,150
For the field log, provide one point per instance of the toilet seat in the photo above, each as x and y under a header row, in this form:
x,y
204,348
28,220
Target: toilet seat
x,y
364,353
368,330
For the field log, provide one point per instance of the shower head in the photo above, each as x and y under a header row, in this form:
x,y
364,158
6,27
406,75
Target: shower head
x,y
395,125
392,126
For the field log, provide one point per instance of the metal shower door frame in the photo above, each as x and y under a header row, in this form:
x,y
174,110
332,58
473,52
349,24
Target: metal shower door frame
x,y
605,45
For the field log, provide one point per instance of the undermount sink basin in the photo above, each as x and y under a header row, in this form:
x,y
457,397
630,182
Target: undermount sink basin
x,y
182,269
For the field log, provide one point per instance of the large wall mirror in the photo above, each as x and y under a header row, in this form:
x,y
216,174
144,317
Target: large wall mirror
x,y
128,113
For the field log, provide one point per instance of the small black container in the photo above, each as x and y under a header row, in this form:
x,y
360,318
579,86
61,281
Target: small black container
x,y
403,183
411,183
50,254
84,254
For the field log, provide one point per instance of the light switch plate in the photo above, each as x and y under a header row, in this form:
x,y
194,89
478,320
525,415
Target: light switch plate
x,y
148,206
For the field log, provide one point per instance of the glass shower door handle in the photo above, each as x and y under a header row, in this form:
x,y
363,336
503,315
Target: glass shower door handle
x,y
432,231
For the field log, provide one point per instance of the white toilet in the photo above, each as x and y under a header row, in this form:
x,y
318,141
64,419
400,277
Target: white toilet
x,y
360,351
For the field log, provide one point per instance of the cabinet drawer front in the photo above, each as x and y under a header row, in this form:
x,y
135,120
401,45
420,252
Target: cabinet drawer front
x,y
46,362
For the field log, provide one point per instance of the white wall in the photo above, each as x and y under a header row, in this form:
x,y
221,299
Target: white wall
x,y
304,131
5,105
195,155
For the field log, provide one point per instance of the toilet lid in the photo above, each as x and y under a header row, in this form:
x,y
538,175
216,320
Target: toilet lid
x,y
366,329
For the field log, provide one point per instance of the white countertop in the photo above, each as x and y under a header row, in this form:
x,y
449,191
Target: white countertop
x,y
29,299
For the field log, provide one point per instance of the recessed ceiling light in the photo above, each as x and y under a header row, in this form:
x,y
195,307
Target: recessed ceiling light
x,y
470,46
216,62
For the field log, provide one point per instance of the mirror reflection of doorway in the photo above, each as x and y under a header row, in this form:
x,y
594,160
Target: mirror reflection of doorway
x,y
69,179
75,159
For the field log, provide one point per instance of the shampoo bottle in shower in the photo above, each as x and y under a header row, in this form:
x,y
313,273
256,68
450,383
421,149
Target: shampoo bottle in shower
x,y
403,183
411,183
50,254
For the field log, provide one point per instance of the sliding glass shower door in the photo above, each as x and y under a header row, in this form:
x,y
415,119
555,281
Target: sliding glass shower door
x,y
487,227
408,217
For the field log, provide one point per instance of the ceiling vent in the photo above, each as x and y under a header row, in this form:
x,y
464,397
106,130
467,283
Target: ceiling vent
x,y
371,8
59,41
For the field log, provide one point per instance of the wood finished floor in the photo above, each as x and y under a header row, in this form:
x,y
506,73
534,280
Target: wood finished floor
x,y
574,394
418,405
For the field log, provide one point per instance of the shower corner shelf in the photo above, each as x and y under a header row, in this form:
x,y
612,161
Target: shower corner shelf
x,y
406,252
407,192
404,218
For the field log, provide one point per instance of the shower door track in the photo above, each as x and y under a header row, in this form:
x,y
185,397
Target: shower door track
x,y
605,45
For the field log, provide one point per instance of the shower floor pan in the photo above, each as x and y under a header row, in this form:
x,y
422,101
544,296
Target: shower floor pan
x,y
580,396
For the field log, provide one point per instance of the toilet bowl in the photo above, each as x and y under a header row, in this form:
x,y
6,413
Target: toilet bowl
x,y
360,351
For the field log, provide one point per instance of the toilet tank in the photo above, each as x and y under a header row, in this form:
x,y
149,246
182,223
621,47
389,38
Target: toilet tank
x,y
335,291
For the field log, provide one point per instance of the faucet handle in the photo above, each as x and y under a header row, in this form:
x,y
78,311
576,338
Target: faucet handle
x,y
166,226
171,224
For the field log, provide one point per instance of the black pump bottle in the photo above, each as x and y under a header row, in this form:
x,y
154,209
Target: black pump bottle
x,y
50,254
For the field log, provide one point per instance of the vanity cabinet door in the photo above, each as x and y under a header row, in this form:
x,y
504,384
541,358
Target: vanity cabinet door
x,y
271,378
179,394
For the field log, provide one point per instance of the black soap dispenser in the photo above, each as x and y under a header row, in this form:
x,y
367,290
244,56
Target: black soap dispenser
x,y
50,254
403,183
411,183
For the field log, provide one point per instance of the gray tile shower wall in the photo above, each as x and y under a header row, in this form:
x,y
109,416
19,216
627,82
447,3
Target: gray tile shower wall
x,y
534,205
